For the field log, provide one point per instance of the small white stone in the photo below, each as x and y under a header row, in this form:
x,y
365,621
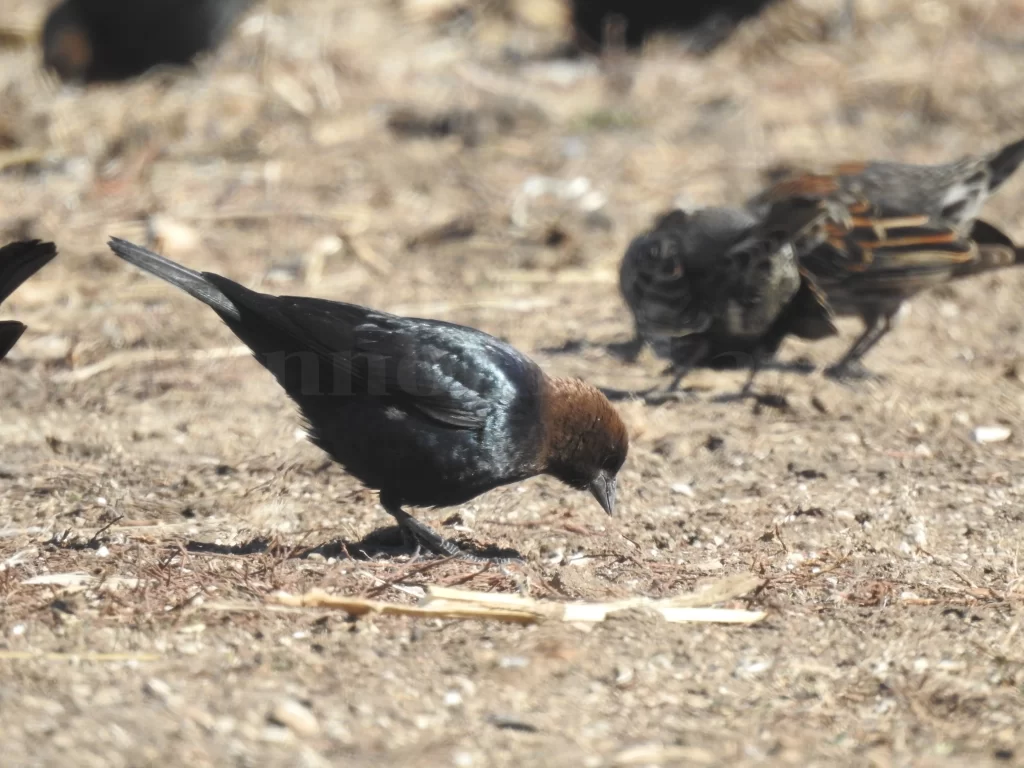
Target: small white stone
x,y
992,434
295,716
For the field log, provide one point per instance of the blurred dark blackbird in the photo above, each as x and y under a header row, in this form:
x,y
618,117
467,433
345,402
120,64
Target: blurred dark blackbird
x,y
87,41
431,414
707,23
722,288
18,262
905,228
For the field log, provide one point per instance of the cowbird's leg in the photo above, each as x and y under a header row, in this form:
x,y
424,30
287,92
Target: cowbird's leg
x,y
686,352
755,368
430,540
657,396
849,366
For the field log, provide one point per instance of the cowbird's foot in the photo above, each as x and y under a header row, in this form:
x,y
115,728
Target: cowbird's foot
x,y
852,372
422,537
662,396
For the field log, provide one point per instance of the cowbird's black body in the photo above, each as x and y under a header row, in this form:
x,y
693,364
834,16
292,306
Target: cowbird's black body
x,y
107,40
426,412
723,288
446,448
18,262
905,228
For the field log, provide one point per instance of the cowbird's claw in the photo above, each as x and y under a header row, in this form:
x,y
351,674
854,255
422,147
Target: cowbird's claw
x,y
426,538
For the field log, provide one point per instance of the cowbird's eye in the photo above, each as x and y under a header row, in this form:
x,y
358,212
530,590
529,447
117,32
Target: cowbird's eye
x,y
612,464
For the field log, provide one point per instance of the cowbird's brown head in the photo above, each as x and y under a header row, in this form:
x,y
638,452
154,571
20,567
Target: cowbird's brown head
x,y
585,441
67,44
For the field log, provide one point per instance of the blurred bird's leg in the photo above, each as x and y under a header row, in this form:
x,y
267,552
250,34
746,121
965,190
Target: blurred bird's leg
x,y
657,396
755,368
850,367
686,353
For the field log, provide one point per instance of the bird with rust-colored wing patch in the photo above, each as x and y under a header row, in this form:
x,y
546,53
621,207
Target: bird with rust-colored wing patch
x,y
903,229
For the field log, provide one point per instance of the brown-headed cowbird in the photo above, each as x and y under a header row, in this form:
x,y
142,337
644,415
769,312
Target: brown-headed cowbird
x,y
86,41
18,262
431,414
723,288
906,228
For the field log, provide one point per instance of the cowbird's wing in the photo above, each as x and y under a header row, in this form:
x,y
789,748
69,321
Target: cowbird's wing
x,y
886,253
453,374
872,248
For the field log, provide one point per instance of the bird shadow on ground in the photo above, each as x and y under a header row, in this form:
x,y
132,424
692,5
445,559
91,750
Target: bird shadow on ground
x,y
381,544
654,396
627,351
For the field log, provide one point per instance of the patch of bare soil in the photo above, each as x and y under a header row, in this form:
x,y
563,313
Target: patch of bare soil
x,y
395,155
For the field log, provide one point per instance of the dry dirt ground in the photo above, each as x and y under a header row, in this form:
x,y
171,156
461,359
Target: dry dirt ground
x,y
141,450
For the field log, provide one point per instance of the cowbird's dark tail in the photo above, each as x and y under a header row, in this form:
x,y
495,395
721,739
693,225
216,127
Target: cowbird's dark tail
x,y
1004,163
19,261
193,283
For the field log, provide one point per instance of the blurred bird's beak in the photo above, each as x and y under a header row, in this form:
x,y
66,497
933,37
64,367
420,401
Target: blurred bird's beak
x,y
603,489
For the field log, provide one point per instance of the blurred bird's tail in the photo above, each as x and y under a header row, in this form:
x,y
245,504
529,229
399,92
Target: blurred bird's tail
x,y
995,251
10,332
1004,163
19,261
193,283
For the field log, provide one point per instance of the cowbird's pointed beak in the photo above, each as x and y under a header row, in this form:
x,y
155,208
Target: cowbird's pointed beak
x,y
603,489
